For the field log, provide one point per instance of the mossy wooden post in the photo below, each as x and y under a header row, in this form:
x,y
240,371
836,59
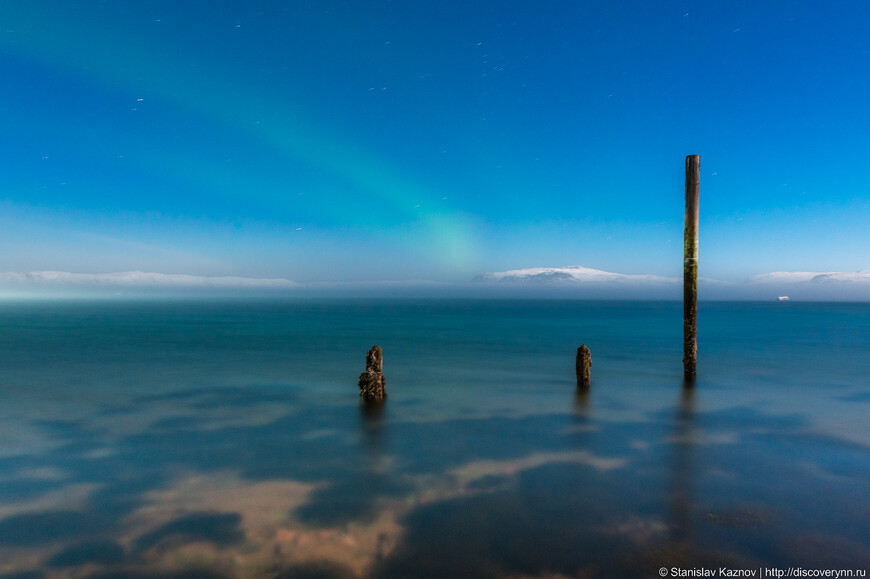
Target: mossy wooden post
x,y
584,368
690,269
372,382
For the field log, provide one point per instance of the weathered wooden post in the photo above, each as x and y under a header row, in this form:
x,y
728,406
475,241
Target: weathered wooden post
x,y
372,381
584,368
690,269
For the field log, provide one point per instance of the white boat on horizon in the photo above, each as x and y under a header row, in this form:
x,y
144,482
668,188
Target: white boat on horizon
x,y
782,299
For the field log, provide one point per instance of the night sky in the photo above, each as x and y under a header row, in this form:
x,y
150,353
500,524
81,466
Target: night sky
x,y
392,140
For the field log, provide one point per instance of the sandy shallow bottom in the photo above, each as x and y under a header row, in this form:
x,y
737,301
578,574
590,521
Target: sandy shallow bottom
x,y
124,453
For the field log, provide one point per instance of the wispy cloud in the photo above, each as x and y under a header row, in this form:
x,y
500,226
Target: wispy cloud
x,y
140,279
813,277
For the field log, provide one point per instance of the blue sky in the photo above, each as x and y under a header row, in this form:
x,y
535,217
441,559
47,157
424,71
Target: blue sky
x,y
388,140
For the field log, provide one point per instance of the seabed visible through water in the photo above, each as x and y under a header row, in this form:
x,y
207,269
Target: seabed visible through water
x,y
227,439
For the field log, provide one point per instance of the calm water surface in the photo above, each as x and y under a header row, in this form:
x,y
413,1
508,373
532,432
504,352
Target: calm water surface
x,y
227,439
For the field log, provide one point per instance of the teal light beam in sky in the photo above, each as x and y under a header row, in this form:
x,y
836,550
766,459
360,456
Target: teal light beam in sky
x,y
299,138
122,61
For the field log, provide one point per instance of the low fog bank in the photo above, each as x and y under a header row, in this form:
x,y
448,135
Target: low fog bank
x,y
556,283
713,291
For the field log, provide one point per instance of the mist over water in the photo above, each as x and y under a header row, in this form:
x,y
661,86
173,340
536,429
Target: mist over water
x,y
126,286
225,438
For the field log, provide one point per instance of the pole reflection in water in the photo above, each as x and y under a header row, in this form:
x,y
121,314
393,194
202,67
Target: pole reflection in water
x,y
372,423
682,466
582,418
581,406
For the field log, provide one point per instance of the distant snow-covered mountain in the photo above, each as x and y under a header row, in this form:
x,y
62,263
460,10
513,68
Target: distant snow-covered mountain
x,y
570,274
813,277
574,281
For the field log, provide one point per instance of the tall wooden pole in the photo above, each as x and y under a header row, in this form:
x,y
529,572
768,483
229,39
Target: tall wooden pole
x,y
690,269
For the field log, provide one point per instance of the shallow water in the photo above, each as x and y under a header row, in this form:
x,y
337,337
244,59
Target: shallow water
x,y
226,439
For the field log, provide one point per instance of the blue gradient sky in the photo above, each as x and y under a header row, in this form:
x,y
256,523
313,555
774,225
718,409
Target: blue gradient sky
x,y
373,140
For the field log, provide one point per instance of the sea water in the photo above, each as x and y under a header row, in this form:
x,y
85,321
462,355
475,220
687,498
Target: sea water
x,y
227,439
